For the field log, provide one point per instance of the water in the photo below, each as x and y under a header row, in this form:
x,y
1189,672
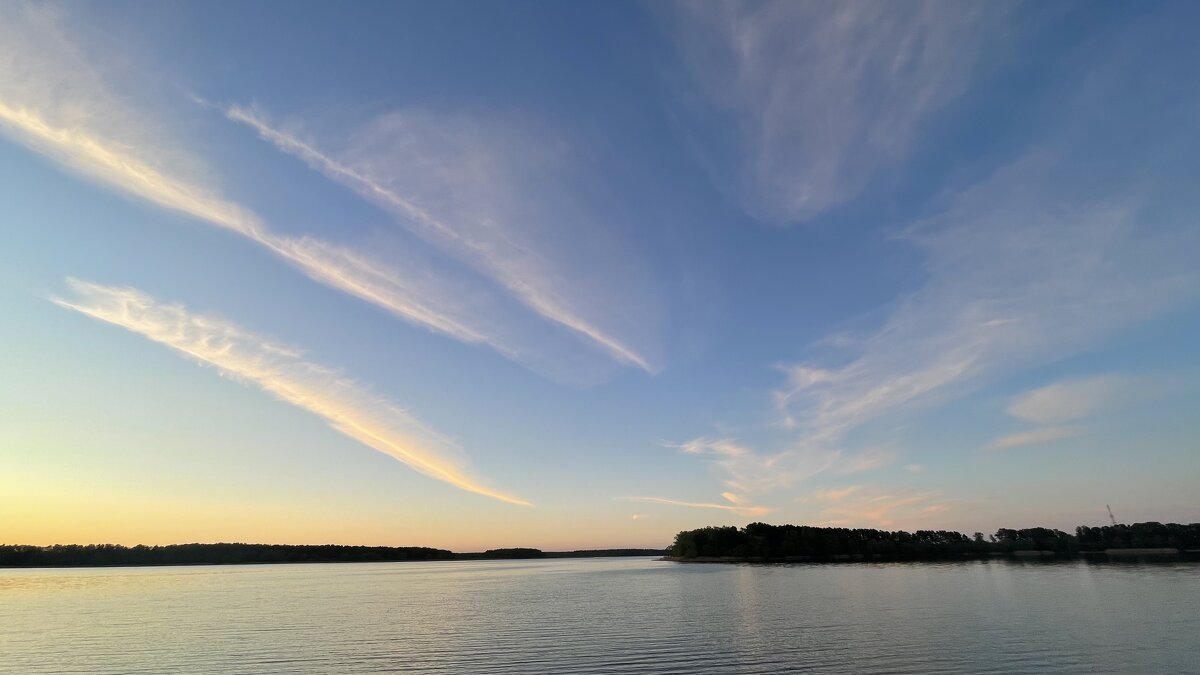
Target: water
x,y
630,615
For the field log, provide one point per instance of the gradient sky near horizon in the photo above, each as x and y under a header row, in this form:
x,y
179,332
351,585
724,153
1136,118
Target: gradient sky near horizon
x,y
582,275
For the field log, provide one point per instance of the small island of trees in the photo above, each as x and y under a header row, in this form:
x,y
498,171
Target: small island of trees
x,y
763,542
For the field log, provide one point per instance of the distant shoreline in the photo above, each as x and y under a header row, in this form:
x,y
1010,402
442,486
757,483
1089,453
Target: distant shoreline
x,y
113,555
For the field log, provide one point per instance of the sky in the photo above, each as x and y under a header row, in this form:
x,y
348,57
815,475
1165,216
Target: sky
x,y
583,275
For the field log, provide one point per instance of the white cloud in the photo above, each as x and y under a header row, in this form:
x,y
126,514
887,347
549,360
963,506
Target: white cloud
x,y
748,472
741,510
1034,263
1076,399
1034,437
1089,231
452,182
867,460
415,299
866,508
55,101
282,372
824,94
835,495
721,447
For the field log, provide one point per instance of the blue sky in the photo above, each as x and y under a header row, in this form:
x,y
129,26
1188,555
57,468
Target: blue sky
x,y
585,274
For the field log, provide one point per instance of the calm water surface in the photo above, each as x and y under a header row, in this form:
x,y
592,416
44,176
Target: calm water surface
x,y
624,615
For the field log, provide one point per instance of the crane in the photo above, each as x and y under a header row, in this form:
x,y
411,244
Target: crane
x,y
1110,515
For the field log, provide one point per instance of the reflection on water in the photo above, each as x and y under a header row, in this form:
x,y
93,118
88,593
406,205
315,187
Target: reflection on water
x,y
604,616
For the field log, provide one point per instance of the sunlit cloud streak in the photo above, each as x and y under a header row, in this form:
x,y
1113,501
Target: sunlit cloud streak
x,y
451,190
836,495
856,508
720,447
740,510
747,472
1034,437
338,267
54,102
282,372
1083,397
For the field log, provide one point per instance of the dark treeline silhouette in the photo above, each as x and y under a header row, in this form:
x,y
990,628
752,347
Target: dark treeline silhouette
x,y
760,541
102,555
206,554
1139,535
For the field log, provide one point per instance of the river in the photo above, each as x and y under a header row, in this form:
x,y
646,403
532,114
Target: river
x,y
610,615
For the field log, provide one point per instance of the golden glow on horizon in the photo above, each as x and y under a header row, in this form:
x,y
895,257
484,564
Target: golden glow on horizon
x,y
75,510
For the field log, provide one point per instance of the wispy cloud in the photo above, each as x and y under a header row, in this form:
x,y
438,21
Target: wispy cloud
x,y
1017,275
822,95
1088,231
95,132
867,459
339,267
1034,437
54,100
747,472
749,511
882,510
444,178
720,447
283,372
1077,398
835,495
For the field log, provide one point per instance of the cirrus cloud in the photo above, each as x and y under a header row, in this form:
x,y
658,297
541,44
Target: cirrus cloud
x,y
283,372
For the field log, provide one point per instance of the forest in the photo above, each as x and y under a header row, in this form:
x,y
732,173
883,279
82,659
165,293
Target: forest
x,y
760,541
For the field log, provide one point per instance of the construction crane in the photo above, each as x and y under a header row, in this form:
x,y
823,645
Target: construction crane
x,y
1110,515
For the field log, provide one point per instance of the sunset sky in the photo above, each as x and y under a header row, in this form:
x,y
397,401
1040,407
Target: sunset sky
x,y
584,274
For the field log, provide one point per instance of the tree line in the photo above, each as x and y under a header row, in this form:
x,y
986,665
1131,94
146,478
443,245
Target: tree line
x,y
98,555
760,541
104,555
